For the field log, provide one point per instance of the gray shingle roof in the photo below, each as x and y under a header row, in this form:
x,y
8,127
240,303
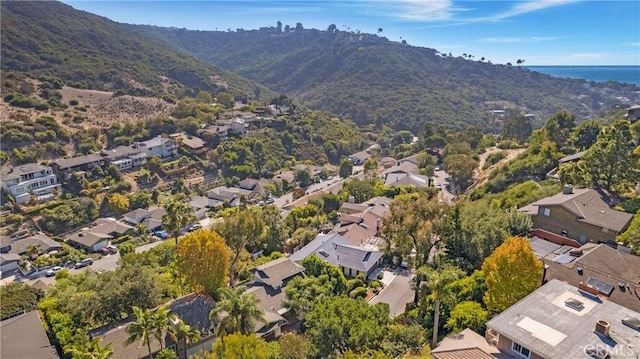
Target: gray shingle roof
x,y
23,337
276,272
19,246
590,205
544,324
337,250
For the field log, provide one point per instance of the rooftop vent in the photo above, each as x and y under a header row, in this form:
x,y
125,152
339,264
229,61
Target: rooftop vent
x,y
631,322
323,253
574,304
567,189
602,328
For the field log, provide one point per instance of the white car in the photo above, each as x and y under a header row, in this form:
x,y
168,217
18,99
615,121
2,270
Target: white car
x,y
51,272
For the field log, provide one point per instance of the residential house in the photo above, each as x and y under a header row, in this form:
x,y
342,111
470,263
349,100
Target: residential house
x,y
312,170
282,176
193,309
559,320
9,262
613,272
268,285
159,146
553,174
222,131
633,113
63,168
202,205
99,234
126,157
28,180
238,126
338,251
230,195
583,214
359,158
361,223
387,162
20,245
466,344
195,145
405,174
24,337
151,219
253,185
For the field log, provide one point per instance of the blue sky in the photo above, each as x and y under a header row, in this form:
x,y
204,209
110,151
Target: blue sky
x,y
542,32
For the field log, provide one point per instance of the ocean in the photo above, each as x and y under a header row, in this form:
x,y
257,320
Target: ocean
x,y
625,74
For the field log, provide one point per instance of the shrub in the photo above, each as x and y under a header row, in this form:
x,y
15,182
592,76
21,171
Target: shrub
x,y
358,292
73,102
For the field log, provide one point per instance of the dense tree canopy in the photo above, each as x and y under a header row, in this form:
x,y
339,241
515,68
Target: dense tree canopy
x,y
203,260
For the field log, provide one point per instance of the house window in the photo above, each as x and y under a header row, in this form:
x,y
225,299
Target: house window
x,y
546,212
516,347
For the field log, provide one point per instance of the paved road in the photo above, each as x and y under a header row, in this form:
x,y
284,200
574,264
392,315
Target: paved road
x,y
288,197
441,180
397,294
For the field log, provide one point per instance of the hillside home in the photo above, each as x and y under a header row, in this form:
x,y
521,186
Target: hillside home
x,y
222,131
338,251
613,273
553,174
229,195
633,113
123,157
559,320
359,158
63,168
151,219
193,309
583,214
28,180
20,245
202,205
24,337
268,285
238,126
98,235
195,145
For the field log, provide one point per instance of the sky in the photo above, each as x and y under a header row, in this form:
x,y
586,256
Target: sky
x,y
541,32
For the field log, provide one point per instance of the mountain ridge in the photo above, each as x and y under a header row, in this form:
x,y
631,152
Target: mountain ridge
x,y
372,80
91,51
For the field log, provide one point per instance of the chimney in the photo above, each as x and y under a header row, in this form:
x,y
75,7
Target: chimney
x,y
352,199
602,328
567,189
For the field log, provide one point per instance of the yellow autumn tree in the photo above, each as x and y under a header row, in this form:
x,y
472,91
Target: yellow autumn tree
x,y
118,203
203,260
511,272
239,346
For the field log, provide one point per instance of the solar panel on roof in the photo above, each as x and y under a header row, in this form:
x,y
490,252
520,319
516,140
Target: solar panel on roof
x,y
603,287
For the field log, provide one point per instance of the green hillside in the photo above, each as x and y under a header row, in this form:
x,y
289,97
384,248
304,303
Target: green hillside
x,y
370,79
89,51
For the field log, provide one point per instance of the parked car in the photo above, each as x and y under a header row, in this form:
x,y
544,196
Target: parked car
x,y
104,251
269,200
83,263
437,168
161,234
112,249
51,272
194,227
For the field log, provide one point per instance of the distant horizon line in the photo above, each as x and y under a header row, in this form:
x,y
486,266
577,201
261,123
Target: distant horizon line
x,y
580,65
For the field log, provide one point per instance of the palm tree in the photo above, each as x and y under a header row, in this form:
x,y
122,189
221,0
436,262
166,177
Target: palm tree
x,y
437,281
162,320
89,349
142,329
185,333
33,250
236,312
179,215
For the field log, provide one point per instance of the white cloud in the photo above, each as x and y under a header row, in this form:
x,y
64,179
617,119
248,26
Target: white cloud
x,y
632,44
511,39
527,6
422,10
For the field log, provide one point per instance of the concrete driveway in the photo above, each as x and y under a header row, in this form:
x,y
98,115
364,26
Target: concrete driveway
x,y
397,293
